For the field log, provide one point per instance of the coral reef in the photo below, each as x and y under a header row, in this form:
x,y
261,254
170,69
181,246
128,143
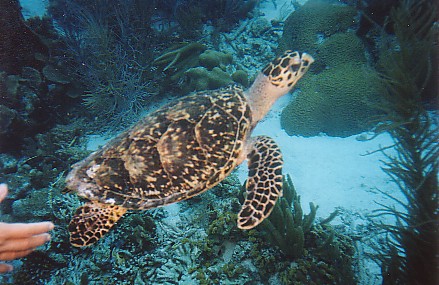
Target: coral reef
x,y
339,49
337,102
200,244
324,262
187,17
313,23
212,58
226,12
286,226
192,242
193,67
108,49
241,77
337,99
180,58
36,177
7,117
180,269
252,43
36,202
410,252
19,44
200,78
30,101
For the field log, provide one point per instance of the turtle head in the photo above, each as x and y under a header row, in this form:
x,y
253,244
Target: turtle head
x,y
276,80
287,69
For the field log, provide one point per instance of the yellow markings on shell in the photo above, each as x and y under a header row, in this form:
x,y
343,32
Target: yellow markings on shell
x,y
91,172
150,179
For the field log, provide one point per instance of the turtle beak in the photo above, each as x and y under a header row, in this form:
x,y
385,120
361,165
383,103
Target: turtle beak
x,y
301,63
306,60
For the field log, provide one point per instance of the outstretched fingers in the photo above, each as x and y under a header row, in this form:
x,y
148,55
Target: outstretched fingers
x,y
8,247
3,191
5,268
23,230
19,239
11,255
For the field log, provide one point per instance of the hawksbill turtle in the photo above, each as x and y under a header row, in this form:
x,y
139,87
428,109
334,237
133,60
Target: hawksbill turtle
x,y
185,148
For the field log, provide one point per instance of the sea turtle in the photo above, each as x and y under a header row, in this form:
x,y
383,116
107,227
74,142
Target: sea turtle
x,y
184,149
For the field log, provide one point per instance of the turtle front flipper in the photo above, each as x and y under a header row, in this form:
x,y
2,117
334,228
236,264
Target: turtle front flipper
x,y
91,221
264,184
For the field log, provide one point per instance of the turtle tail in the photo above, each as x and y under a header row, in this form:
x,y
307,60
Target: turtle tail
x,y
91,221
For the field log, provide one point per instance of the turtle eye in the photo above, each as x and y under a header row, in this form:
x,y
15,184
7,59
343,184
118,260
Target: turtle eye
x,y
285,62
295,67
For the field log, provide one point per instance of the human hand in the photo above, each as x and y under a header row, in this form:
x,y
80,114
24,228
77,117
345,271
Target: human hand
x,y
20,239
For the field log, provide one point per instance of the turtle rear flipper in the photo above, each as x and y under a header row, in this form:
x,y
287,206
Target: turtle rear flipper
x,y
264,184
91,221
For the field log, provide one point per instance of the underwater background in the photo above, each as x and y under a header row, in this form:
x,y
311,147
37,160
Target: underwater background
x,y
358,136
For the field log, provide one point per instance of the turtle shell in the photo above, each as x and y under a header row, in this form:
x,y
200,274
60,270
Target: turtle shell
x,y
174,153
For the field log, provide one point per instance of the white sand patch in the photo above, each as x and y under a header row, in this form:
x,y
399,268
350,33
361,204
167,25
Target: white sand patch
x,y
95,142
330,171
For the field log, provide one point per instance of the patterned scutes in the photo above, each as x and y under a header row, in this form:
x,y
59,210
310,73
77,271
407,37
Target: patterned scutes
x,y
175,153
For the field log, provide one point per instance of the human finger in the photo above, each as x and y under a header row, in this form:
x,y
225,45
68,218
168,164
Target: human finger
x,y
5,268
10,255
24,243
22,230
3,191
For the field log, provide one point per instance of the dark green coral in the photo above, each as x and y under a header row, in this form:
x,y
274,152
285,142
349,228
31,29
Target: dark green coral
x,y
315,19
179,58
337,102
200,78
340,48
338,92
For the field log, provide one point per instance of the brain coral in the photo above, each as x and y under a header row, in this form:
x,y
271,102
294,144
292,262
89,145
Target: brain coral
x,y
316,20
339,49
336,102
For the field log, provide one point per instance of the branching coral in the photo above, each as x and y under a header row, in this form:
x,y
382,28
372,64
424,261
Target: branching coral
x,y
119,97
108,50
180,267
180,56
286,227
412,243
